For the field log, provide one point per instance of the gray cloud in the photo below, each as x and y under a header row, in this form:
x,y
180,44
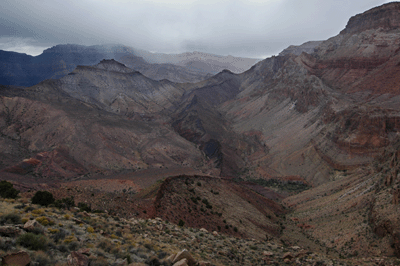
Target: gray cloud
x,y
253,28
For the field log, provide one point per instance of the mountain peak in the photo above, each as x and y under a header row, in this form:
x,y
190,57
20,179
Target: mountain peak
x,y
386,16
112,65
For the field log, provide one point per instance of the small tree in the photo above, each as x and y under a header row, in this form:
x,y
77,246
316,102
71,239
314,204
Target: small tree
x,y
7,190
83,207
181,223
44,198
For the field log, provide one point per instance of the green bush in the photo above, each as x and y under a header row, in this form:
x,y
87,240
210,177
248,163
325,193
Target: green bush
x,y
44,198
7,190
32,241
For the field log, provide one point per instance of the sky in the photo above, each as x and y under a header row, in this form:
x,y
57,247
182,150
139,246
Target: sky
x,y
246,28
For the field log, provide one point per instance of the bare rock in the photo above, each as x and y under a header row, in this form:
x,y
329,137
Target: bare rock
x,y
170,258
77,259
20,258
84,251
203,263
203,230
268,253
184,254
32,225
121,262
182,262
287,255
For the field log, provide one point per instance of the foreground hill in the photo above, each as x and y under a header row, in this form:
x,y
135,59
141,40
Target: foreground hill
x,y
74,237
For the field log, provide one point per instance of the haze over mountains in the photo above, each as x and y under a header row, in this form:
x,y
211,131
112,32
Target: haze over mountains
x,y
323,116
25,70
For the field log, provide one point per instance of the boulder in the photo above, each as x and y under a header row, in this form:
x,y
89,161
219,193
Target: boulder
x,y
203,230
77,259
268,253
170,258
84,251
20,258
32,225
287,255
121,262
184,254
204,263
182,262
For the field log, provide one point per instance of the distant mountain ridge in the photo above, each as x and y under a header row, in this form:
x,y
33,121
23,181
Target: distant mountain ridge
x,y
200,61
25,70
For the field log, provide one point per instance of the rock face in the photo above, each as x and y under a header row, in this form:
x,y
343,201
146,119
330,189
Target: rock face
x,y
385,17
77,259
17,259
307,47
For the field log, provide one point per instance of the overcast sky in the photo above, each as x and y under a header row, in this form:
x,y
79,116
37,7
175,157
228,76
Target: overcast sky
x,y
248,28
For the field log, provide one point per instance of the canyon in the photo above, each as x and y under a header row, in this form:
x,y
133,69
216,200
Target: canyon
x,y
302,147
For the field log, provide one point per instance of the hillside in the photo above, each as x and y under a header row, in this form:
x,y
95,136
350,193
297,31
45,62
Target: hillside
x,y
74,237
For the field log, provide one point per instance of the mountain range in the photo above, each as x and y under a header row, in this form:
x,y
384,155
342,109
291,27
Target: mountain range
x,y
25,70
303,147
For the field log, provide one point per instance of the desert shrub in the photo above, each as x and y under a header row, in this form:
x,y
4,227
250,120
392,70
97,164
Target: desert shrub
x,y
6,245
37,230
62,248
29,209
7,190
44,198
10,218
20,206
90,229
181,223
73,246
105,245
53,231
84,207
42,259
153,261
61,234
32,241
235,229
43,220
65,203
69,239
101,261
